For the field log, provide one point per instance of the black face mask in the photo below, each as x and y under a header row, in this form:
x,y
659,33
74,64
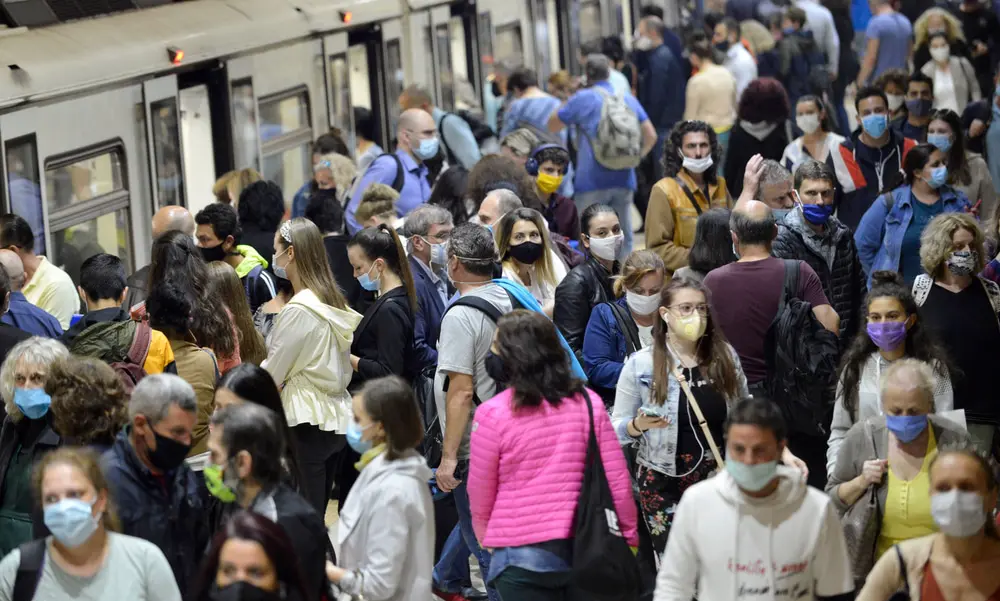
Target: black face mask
x,y
168,453
213,253
496,369
241,591
526,252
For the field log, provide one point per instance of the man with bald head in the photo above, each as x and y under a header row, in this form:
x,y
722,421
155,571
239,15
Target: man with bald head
x,y
171,217
404,170
20,312
497,204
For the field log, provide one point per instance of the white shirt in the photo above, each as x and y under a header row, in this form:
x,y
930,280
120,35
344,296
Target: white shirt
x,y
944,90
645,335
742,66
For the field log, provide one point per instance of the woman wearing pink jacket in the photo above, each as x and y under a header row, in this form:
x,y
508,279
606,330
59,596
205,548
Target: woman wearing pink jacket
x,y
528,449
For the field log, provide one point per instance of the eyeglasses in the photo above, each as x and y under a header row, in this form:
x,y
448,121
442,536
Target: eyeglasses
x,y
687,309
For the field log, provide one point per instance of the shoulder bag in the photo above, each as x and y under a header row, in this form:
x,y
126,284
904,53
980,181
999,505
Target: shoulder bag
x,y
862,523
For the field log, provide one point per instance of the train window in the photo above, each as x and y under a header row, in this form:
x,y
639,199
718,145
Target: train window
x,y
88,202
459,61
167,152
447,100
590,21
394,72
543,58
357,60
245,132
429,53
485,31
509,46
25,186
341,93
286,136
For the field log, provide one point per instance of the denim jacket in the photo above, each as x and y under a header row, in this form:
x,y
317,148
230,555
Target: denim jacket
x,y
657,447
879,237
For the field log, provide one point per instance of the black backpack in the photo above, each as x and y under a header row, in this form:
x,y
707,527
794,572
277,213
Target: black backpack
x,y
802,360
399,180
604,568
29,571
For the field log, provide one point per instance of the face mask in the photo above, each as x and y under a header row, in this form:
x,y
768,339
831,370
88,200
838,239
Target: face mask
x,y
895,101
367,282
212,253
875,125
808,123
526,252
691,327
817,214
642,44
354,434
906,427
439,252
607,248
939,177
722,46
496,369
168,454
278,270
241,590
697,165
961,262
71,521
958,513
941,141
887,335
641,304
779,214
941,54
33,402
218,484
427,149
548,183
752,478
919,107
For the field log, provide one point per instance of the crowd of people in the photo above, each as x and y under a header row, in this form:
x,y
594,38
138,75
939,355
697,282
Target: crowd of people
x,y
450,354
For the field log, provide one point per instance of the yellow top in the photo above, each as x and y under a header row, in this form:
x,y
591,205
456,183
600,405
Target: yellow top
x,y
52,290
908,505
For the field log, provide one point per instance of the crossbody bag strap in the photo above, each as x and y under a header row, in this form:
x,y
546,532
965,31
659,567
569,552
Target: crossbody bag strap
x,y
688,193
701,417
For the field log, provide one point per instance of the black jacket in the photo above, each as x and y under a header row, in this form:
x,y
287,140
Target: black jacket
x,y
742,147
261,241
845,285
384,339
583,288
22,444
170,511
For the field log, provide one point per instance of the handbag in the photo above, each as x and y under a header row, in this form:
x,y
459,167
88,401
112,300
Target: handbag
x,y
862,523
701,417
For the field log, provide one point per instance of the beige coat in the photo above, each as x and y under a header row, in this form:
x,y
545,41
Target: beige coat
x,y
966,86
885,578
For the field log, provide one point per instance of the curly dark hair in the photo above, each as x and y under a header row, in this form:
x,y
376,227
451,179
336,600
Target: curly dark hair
x,y
712,246
535,364
89,403
764,100
672,160
495,168
449,193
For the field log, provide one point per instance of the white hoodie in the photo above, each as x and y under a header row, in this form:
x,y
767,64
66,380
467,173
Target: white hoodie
x,y
727,546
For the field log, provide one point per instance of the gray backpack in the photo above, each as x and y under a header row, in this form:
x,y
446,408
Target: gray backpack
x,y
618,143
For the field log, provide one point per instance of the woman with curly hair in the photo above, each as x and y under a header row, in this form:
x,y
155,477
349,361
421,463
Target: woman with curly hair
x,y
691,186
967,171
759,129
932,22
89,404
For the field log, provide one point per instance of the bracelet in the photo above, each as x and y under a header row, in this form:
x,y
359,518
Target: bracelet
x,y
636,428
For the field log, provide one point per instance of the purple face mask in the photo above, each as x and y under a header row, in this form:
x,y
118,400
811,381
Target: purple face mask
x,y
887,335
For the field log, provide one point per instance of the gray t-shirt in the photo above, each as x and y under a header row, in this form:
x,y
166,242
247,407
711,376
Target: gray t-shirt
x,y
466,336
134,569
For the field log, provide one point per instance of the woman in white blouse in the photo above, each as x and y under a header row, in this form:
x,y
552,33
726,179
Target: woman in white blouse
x,y
955,83
526,251
817,141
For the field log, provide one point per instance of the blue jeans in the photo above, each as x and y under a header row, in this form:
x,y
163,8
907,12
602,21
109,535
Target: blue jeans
x,y
465,524
619,199
451,574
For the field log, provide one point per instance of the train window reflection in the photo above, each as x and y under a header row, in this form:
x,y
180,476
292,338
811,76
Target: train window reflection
x,y
429,52
485,31
286,137
509,46
80,182
341,93
107,233
244,124
357,60
283,116
167,153
290,169
395,84
447,100
590,21
25,186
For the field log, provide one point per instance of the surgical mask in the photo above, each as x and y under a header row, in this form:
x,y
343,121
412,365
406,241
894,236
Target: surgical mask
x,y
241,590
691,327
817,214
961,262
941,54
548,183
642,43
367,282
640,304
169,453
33,402
887,335
941,141
779,214
895,101
439,252
354,434
906,427
919,107
808,123
958,513
697,165
752,478
279,271
939,177
875,125
71,521
607,248
212,253
218,485
526,252
427,149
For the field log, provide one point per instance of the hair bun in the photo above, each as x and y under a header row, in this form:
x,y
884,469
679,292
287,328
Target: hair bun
x,y
886,277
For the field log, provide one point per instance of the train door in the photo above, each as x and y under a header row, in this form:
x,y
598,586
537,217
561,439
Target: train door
x,y
243,114
338,92
394,73
205,131
364,58
163,140
444,58
545,26
465,39
425,61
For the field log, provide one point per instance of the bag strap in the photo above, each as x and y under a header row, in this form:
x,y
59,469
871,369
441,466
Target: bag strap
x,y
701,417
143,339
29,572
790,285
448,154
902,571
628,327
689,193
400,179
592,451
477,302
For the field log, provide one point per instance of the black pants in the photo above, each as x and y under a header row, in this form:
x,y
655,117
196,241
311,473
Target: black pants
x,y
518,584
320,454
812,450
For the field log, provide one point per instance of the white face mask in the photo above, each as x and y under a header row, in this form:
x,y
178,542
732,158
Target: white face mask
x,y
808,123
941,53
958,513
641,304
895,101
697,165
643,43
607,248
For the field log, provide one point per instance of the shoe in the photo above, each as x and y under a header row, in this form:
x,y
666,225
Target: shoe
x,y
472,594
448,596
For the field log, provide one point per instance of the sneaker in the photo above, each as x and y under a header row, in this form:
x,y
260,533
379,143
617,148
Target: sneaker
x,y
448,596
473,594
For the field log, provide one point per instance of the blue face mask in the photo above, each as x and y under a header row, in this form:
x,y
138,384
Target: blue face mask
x,y
906,427
71,521
779,214
367,283
427,150
752,478
939,176
941,141
279,271
33,402
875,125
354,434
817,214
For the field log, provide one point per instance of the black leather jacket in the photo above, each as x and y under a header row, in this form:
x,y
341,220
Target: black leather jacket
x,y
583,288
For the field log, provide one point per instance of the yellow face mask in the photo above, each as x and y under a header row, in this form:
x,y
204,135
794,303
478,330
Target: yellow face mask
x,y
548,183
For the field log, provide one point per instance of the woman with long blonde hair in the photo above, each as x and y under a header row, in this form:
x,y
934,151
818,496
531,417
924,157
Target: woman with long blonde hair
x,y
933,21
525,249
224,284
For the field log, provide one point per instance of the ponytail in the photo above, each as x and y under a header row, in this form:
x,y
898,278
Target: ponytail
x,y
382,242
402,267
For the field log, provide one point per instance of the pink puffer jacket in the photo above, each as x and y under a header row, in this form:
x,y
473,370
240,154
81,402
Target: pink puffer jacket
x,y
526,470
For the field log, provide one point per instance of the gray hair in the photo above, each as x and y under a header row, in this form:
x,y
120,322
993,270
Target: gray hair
x,y
154,395
655,25
597,67
420,220
773,172
14,267
521,141
36,350
910,374
507,200
474,248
